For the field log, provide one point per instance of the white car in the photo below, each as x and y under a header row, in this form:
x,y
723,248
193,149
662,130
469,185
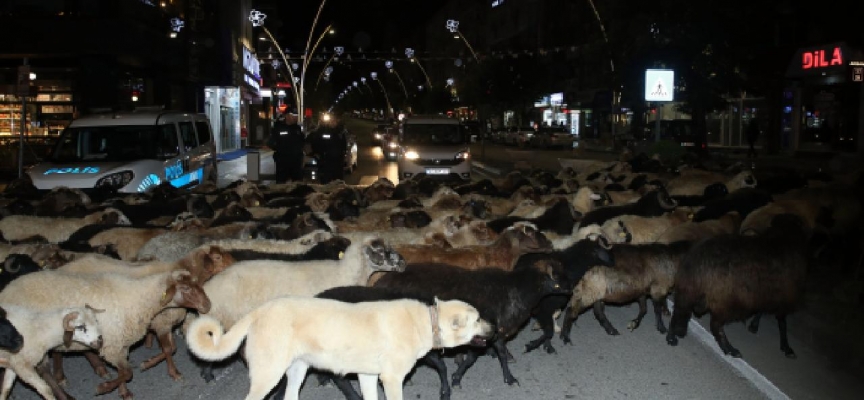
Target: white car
x,y
436,146
130,152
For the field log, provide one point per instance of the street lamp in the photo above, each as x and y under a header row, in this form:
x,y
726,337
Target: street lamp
x,y
306,58
257,18
409,52
389,65
374,76
327,70
452,25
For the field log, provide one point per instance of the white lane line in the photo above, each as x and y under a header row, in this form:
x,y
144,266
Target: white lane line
x,y
763,384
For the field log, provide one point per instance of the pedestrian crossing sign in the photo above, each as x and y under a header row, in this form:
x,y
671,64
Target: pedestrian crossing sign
x,y
659,85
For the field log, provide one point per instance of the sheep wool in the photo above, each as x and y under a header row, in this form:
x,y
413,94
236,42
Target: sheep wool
x,y
55,230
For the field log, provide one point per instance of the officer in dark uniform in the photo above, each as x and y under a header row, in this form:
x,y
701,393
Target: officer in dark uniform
x,y
287,141
329,143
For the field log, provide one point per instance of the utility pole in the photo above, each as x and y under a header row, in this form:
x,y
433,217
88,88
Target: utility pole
x,y
23,91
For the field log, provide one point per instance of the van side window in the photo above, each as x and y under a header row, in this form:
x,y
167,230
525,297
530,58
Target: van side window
x,y
187,133
167,142
203,129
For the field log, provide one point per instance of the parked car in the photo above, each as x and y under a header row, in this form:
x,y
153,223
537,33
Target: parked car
x,y
311,162
552,136
130,152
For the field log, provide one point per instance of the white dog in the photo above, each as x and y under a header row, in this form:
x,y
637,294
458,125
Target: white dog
x,y
374,339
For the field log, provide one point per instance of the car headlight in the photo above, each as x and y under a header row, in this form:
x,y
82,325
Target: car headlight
x,y
411,155
392,145
463,155
116,180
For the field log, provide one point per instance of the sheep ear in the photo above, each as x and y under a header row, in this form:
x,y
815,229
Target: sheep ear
x,y
67,338
168,295
67,322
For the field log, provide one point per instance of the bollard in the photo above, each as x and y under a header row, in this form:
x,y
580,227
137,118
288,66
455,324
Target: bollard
x,y
253,165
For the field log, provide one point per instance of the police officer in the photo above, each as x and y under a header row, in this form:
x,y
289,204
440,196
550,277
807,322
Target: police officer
x,y
329,143
287,141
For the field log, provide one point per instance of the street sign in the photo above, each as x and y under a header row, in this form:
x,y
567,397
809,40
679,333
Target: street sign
x,y
659,85
23,87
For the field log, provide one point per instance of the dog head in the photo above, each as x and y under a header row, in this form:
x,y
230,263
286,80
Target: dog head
x,y
459,323
80,325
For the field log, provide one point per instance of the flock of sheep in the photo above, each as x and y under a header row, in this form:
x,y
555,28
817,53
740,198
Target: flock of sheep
x,y
99,273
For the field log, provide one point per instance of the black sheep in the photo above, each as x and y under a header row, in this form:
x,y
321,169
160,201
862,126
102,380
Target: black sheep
x,y
483,186
558,219
734,277
743,200
577,259
652,204
504,298
411,202
16,265
410,219
330,249
711,192
18,207
405,189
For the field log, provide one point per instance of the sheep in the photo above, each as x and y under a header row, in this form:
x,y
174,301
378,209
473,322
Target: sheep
x,y
639,271
483,187
202,263
711,192
16,265
502,206
696,231
130,305
140,214
691,184
516,240
59,199
45,330
410,219
504,298
646,229
558,218
760,219
840,199
55,230
652,204
577,259
128,241
330,249
743,201
622,197
527,209
474,233
734,277
249,284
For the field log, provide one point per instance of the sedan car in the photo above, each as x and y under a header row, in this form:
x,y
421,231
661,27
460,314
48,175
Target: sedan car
x,y
552,136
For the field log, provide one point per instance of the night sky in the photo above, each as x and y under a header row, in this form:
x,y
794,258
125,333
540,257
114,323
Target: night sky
x,y
368,24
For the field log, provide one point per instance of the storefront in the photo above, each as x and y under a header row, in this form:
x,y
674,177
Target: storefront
x,y
822,108
235,109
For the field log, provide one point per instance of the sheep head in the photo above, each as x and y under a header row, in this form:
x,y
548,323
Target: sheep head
x,y
10,338
381,257
477,208
555,280
481,232
205,262
525,238
184,291
81,325
18,264
113,216
665,200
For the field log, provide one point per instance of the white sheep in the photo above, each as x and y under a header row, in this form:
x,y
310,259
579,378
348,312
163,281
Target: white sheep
x,y
56,230
130,305
172,246
693,183
43,331
249,284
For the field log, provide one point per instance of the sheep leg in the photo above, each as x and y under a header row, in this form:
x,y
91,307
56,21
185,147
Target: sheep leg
x,y
59,375
643,309
570,315
434,360
600,314
754,323
44,370
678,326
148,340
97,364
344,387
470,359
720,335
546,318
784,339
119,358
659,305
166,342
501,347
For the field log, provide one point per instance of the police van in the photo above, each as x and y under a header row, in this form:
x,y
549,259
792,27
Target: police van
x,y
130,152
436,146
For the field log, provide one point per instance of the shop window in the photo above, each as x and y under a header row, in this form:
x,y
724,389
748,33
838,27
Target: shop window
x,y
187,133
66,97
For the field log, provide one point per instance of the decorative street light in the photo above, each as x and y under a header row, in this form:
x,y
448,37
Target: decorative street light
x,y
389,65
449,81
307,57
409,52
327,70
452,25
374,76
257,19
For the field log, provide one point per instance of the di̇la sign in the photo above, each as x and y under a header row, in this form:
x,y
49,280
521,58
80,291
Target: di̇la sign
x,y
826,60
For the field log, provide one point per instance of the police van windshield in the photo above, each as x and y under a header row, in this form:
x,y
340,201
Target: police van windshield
x,y
116,143
432,134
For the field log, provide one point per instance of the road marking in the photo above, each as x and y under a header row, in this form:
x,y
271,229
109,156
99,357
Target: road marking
x,y
768,388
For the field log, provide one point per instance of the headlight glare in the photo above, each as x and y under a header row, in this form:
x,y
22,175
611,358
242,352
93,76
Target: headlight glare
x,y
411,155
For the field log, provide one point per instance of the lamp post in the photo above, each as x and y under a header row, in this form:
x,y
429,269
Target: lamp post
x,y
389,65
337,51
306,58
257,19
409,52
453,26
374,76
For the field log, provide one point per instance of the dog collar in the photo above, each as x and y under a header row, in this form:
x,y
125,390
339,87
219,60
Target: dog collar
x,y
436,330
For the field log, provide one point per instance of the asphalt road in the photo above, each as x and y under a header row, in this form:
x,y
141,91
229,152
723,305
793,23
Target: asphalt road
x,y
635,364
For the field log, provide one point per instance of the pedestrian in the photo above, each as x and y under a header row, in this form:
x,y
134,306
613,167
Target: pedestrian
x,y
753,132
329,144
287,141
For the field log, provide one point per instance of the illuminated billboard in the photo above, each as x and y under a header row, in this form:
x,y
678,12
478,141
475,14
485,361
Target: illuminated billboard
x,y
659,85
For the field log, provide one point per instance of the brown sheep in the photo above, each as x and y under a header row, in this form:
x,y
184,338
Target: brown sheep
x,y
519,239
696,231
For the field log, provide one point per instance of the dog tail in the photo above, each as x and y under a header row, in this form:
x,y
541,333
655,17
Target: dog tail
x,y
208,342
